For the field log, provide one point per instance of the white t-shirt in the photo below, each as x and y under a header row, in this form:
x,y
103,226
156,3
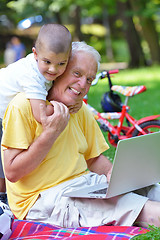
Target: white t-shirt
x,y
22,76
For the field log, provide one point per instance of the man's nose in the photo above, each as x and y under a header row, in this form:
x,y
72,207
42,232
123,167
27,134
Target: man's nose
x,y
82,82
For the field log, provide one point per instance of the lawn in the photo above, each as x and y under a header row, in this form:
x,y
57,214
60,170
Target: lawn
x,y
144,104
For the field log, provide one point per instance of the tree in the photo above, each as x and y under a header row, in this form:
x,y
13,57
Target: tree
x,y
7,14
137,57
74,12
145,11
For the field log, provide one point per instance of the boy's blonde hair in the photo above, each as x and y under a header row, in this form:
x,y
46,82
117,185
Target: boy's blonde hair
x,y
54,37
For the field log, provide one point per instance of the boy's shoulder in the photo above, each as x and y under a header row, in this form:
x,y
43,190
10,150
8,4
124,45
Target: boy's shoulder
x,y
20,67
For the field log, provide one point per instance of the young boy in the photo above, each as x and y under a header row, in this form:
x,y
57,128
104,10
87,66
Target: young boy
x,y
35,73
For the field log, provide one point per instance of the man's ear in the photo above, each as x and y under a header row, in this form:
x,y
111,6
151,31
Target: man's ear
x,y
35,53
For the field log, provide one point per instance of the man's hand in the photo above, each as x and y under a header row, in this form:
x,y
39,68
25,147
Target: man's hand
x,y
56,122
109,175
100,165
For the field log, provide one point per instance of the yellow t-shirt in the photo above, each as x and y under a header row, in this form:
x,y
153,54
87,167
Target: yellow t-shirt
x,y
81,140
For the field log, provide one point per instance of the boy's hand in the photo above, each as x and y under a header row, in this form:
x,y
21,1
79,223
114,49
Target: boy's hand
x,y
55,123
75,108
49,110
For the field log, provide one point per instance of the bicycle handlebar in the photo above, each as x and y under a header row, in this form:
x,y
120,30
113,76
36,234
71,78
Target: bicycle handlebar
x,y
113,71
104,74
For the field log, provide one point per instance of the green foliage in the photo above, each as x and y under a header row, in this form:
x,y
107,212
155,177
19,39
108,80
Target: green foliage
x,y
28,8
94,29
119,46
6,11
147,8
154,234
120,49
104,12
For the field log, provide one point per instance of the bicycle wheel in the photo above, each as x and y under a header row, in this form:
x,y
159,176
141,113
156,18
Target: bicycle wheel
x,y
113,141
148,127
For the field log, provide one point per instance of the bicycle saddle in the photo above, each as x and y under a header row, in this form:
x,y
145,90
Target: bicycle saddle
x,y
128,91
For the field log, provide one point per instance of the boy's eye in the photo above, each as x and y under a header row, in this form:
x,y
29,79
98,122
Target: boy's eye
x,y
47,62
62,63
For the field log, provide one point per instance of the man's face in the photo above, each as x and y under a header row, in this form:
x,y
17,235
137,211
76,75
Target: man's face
x,y
50,64
74,84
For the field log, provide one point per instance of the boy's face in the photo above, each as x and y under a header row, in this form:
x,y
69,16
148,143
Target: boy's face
x,y
50,64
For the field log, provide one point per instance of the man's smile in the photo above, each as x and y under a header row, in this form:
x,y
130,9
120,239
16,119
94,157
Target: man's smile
x,y
75,91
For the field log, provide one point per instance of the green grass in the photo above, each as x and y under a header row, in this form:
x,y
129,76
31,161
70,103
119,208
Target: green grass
x,y
144,104
154,234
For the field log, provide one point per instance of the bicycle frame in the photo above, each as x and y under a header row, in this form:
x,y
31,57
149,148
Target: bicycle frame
x,y
119,132
115,131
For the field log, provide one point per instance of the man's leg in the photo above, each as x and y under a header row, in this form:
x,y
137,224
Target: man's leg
x,y
3,195
150,214
2,185
51,207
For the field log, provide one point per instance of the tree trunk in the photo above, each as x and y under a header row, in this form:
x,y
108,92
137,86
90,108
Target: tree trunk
x,y
58,17
151,37
109,51
137,57
148,29
77,22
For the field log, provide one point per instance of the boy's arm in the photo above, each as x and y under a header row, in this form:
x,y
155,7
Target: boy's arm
x,y
35,103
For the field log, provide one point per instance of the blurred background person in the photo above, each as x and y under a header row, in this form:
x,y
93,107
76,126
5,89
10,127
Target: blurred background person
x,y
14,51
18,47
9,54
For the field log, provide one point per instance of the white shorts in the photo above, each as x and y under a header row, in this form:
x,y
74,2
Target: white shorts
x,y
51,207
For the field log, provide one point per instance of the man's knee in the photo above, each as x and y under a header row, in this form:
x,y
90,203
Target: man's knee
x,y
150,214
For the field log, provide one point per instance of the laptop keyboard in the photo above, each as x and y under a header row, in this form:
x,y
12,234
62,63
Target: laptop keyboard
x,y
100,191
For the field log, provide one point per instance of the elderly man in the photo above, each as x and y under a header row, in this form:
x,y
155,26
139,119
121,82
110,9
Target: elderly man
x,y
41,162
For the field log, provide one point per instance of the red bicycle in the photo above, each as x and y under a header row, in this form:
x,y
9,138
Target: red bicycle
x,y
115,109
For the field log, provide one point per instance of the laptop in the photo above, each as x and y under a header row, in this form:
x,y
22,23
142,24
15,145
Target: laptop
x,y
136,165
